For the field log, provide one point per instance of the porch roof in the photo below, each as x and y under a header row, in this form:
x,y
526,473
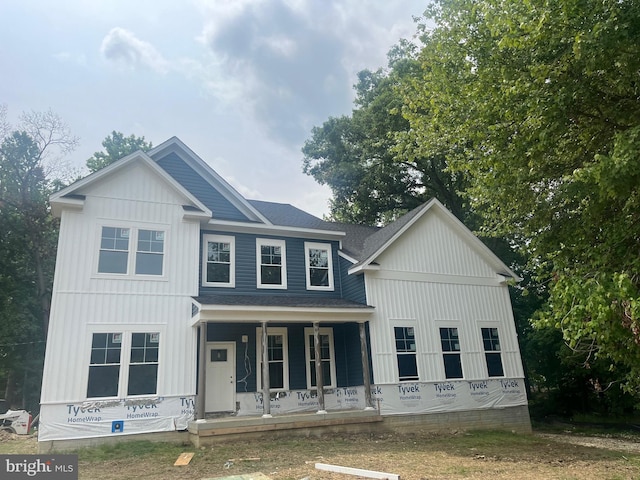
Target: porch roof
x,y
288,308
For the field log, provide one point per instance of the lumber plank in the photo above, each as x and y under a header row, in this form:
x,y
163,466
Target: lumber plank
x,y
357,471
184,459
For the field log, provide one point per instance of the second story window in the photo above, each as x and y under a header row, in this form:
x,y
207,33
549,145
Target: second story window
x,y
115,244
114,250
149,257
319,266
271,263
219,261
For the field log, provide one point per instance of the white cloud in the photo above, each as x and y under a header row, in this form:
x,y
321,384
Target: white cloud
x,y
297,60
123,47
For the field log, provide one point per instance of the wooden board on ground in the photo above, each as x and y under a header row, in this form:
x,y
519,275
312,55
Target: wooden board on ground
x,y
246,476
183,459
357,471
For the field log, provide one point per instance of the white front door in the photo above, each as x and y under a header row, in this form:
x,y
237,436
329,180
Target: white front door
x,y
220,392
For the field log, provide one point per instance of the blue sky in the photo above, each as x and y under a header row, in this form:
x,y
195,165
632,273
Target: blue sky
x,y
241,82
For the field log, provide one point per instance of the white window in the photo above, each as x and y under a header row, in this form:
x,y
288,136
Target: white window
x,y
278,358
405,338
319,266
327,358
112,372
218,268
114,250
150,253
271,260
115,244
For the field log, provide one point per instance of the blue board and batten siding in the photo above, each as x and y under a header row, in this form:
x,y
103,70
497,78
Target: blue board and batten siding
x,y
346,339
246,268
352,285
186,176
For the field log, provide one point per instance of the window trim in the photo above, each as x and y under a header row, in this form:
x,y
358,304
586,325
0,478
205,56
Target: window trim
x,y
308,332
132,251
271,242
232,264
126,332
285,357
319,246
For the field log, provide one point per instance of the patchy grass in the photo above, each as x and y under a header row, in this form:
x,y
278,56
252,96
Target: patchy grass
x,y
471,455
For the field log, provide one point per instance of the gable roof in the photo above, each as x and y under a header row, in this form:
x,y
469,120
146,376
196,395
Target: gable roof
x,y
68,196
384,238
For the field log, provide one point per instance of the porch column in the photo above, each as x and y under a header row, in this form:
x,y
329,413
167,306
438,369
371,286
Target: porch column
x,y
365,368
319,379
266,394
202,361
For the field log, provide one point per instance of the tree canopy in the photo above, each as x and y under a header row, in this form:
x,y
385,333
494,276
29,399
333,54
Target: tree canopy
x,y
538,102
116,146
355,154
29,155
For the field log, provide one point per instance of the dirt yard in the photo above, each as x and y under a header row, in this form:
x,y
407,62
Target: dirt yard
x,y
414,457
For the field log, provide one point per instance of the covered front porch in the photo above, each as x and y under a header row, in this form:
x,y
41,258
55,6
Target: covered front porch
x,y
304,354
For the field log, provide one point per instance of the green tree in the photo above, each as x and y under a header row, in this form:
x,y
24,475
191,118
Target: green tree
x,y
355,156
28,237
537,101
116,146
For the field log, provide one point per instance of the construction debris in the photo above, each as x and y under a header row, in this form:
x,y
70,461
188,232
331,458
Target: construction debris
x,y
183,459
357,471
246,476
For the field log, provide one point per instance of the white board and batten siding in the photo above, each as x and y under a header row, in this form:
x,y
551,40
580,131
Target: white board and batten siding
x,y
86,301
432,277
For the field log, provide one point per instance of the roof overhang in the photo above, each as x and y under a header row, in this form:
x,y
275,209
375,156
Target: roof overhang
x,y
283,231
338,311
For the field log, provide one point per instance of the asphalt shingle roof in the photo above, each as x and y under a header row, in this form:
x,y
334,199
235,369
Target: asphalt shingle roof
x,y
287,215
277,301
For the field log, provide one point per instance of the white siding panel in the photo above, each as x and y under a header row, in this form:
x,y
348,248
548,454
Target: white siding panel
x,y
136,182
435,305
432,246
77,315
84,300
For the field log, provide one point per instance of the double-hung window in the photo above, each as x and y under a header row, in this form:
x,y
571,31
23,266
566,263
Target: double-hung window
x,y
406,353
123,362
278,358
319,266
271,262
143,365
219,261
150,253
104,366
114,250
450,342
327,358
492,355
116,243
